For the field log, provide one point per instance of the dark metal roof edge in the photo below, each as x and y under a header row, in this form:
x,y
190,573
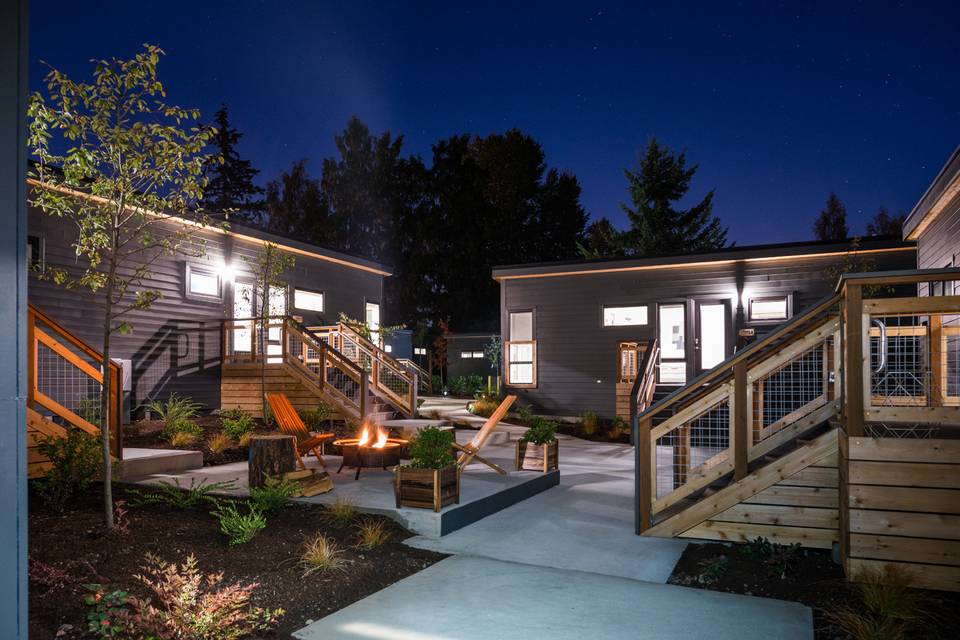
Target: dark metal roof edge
x,y
785,250
950,170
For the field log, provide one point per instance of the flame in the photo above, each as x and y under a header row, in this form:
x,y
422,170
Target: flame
x,y
365,437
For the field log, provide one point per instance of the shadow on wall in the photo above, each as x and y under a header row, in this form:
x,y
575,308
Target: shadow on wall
x,y
181,357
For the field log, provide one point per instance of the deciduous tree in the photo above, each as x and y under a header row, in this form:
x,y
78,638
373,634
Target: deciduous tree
x,y
131,180
884,224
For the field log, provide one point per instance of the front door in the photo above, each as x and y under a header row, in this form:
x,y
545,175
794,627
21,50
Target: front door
x,y
710,344
673,343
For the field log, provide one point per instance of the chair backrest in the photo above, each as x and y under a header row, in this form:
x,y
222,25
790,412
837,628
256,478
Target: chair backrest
x,y
481,438
286,416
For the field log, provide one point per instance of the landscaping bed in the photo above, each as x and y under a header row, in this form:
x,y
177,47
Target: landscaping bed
x,y
807,576
73,542
146,434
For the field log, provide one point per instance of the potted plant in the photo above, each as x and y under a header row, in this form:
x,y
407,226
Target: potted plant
x,y
538,449
432,479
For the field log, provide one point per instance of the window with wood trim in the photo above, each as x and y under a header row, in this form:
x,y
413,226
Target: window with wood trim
x,y
768,309
520,364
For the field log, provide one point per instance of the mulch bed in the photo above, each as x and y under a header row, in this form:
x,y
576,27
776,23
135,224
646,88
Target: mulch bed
x,y
73,541
813,580
601,435
146,434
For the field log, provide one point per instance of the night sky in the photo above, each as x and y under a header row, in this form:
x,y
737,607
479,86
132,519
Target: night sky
x,y
779,105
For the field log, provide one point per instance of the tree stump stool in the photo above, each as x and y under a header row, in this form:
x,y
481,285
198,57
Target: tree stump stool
x,y
270,456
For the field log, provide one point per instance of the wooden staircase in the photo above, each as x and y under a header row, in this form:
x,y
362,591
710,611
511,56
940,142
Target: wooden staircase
x,y
311,366
708,449
64,388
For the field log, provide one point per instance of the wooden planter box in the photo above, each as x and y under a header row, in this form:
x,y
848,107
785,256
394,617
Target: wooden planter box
x,y
427,488
538,457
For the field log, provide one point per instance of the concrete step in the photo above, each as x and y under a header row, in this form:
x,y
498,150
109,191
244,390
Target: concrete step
x,y
144,462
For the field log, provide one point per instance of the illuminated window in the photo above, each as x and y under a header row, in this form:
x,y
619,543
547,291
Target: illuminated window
x,y
769,309
419,351
388,348
466,354
478,354
521,351
308,300
202,283
625,316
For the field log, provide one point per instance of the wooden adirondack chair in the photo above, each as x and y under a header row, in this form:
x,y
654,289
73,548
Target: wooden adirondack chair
x,y
471,450
290,423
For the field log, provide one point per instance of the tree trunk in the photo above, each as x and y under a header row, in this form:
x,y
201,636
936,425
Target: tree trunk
x,y
105,408
270,456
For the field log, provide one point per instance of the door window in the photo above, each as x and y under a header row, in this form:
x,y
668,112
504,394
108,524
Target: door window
x,y
673,351
713,334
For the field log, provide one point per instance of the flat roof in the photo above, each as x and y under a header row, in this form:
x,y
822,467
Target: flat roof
x,y
752,253
935,199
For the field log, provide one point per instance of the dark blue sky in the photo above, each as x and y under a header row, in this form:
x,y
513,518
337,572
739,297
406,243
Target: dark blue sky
x,y
778,104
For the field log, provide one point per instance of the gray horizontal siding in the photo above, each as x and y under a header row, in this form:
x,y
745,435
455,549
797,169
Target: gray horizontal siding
x,y
175,345
574,350
939,245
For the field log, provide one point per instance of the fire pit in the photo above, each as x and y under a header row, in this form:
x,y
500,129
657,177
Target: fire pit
x,y
369,450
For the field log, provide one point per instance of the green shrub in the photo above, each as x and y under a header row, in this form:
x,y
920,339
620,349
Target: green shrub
x,y
76,461
187,430
484,404
176,414
779,559
540,431
240,528
173,495
273,496
316,418
466,385
237,423
436,383
524,414
108,616
618,428
432,448
589,423
89,409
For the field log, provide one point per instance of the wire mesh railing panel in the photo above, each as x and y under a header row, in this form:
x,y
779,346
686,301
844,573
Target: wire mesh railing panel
x,y
339,380
692,447
801,383
67,385
393,380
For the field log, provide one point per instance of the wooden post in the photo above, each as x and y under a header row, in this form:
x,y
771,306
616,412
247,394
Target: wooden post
x,y
853,362
270,455
938,365
646,476
739,421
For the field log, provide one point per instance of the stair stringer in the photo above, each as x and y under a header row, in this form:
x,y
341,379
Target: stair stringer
x,y
804,456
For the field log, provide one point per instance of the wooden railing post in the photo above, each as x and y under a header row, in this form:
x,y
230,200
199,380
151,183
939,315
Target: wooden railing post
x,y
853,360
644,475
739,420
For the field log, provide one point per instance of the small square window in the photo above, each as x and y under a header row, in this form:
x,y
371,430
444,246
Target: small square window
x,y
202,283
627,316
308,300
769,309
419,351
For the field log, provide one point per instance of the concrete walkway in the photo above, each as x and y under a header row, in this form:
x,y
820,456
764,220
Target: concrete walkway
x,y
564,564
464,598
585,524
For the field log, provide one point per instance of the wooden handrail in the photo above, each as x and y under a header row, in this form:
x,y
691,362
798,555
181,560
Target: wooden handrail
x,y
646,377
58,339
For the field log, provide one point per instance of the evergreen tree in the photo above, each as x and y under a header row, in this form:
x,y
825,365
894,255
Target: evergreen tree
x,y
831,224
230,188
657,226
884,224
295,206
601,240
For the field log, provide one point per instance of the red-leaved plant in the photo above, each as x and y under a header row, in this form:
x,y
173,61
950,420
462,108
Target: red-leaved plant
x,y
186,604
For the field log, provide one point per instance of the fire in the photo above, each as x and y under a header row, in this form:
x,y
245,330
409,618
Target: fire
x,y
364,440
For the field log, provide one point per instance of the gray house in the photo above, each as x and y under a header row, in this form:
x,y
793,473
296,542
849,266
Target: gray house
x,y
574,331
934,223
466,356
176,345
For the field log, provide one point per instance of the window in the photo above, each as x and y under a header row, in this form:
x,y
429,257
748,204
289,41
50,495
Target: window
x,y
202,283
769,309
371,315
466,354
34,253
388,348
521,363
419,351
625,316
308,300
478,354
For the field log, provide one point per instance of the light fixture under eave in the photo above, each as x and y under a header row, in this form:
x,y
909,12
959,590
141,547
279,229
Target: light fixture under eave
x,y
227,273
